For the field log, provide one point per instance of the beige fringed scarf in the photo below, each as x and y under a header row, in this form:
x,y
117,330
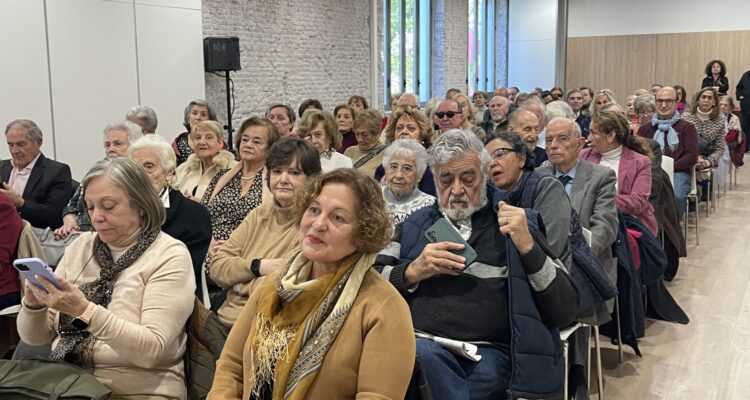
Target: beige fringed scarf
x,y
298,321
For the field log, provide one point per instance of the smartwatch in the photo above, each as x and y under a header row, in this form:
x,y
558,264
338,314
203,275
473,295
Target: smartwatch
x,y
255,267
81,322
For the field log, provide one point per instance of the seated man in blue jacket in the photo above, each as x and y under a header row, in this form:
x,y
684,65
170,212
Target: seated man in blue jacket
x,y
509,302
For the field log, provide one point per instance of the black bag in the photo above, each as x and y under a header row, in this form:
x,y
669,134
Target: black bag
x,y
48,380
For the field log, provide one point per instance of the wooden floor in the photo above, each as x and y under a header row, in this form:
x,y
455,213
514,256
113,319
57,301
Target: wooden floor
x,y
710,357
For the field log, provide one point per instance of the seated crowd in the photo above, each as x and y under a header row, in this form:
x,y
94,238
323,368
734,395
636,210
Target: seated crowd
x,y
338,248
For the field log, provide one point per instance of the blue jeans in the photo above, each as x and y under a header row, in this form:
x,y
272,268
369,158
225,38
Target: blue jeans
x,y
681,190
455,378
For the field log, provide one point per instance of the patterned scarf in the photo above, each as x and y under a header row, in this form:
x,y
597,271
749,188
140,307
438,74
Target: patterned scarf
x,y
298,321
75,346
664,126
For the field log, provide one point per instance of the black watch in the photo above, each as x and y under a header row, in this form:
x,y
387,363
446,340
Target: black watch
x,y
255,267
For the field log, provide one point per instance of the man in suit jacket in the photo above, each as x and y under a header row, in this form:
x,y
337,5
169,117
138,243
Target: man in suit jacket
x,y
592,191
39,187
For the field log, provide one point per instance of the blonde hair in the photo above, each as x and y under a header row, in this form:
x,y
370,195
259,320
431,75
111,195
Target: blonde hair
x,y
211,126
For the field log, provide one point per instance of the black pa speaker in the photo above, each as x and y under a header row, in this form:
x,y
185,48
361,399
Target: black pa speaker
x,y
221,53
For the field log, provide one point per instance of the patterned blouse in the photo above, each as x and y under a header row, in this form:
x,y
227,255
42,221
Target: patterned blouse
x,y
181,143
228,208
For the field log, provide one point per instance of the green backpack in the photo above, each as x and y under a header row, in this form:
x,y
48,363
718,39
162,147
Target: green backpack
x,y
48,380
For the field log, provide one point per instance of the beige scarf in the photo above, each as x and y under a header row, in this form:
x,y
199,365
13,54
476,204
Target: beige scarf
x,y
298,321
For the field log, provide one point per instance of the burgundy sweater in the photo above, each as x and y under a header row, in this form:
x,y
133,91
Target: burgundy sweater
x,y
10,230
686,154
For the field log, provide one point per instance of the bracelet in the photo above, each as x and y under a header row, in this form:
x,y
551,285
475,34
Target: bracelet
x,y
255,267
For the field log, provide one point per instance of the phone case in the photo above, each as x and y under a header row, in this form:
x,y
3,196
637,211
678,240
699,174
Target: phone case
x,y
28,267
444,231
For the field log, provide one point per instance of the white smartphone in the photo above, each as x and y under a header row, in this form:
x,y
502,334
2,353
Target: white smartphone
x,y
29,267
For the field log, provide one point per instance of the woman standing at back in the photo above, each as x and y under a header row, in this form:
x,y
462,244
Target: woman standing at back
x,y
716,72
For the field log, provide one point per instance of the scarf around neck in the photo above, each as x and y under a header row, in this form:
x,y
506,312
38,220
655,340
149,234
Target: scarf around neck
x,y
74,346
298,321
664,127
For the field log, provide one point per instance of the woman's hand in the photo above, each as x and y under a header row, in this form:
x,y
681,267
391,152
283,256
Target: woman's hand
x,y
512,221
269,265
69,301
69,227
215,245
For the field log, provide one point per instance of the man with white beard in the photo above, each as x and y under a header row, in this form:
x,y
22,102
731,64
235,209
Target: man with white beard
x,y
449,299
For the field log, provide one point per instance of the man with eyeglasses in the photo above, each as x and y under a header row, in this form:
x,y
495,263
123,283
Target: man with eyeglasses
x,y
677,138
525,124
449,115
592,192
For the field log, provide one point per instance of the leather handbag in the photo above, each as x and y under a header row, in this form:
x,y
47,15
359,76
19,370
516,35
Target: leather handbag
x,y
53,249
44,379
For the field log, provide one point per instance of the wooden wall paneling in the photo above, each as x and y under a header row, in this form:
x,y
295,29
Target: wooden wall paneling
x,y
629,64
585,62
681,58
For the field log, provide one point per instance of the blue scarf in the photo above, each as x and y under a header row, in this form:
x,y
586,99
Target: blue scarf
x,y
664,126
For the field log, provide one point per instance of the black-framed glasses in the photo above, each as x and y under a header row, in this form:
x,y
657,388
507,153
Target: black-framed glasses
x,y
501,152
449,114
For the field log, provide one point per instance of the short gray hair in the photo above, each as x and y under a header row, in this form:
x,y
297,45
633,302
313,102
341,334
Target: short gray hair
x,y
644,101
574,127
456,143
146,115
198,102
559,108
32,130
133,130
165,151
133,180
533,101
407,148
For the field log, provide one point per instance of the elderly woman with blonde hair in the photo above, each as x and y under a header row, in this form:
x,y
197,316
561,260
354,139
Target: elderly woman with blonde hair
x,y
467,123
123,294
194,175
325,326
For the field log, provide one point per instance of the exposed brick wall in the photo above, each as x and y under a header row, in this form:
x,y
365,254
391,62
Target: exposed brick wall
x,y
450,44
292,50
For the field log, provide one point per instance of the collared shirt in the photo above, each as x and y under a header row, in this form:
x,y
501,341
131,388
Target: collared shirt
x,y
572,174
164,195
540,142
19,178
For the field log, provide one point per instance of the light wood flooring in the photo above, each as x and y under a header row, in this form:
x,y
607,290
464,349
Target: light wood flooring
x,y
710,357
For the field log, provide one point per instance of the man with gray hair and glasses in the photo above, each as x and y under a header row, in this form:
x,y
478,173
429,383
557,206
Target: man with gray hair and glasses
x,y
37,186
451,292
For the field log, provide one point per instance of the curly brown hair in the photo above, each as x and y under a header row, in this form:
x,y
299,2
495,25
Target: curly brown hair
x,y
374,224
425,128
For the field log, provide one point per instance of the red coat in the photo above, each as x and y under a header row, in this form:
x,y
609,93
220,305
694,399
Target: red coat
x,y
633,185
10,229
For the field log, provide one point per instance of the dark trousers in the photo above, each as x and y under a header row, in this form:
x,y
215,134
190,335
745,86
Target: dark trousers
x,y
455,378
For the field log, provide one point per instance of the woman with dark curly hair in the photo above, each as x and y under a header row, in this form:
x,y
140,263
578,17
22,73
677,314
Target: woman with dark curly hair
x,y
324,326
716,78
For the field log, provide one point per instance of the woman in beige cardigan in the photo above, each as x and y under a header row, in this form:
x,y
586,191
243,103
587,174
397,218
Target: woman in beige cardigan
x,y
125,294
326,325
193,176
258,246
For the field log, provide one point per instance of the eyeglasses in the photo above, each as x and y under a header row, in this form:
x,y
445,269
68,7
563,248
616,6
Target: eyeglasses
x,y
668,102
449,114
499,153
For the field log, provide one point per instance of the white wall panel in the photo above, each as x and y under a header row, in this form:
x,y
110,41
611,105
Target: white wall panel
x,y
191,4
94,76
531,43
24,78
638,17
170,58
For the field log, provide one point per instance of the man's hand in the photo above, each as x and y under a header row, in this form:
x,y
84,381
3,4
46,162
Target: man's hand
x,y
512,221
16,198
436,259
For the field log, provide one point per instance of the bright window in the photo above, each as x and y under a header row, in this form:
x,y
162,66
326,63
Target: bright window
x,y
406,48
481,52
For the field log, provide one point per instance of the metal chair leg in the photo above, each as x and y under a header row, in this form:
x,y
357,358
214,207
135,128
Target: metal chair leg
x,y
619,332
565,357
599,377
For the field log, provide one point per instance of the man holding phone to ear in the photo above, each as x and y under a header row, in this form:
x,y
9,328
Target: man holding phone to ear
x,y
509,302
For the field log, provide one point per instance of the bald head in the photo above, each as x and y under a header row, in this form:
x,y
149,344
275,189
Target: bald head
x,y
666,102
525,124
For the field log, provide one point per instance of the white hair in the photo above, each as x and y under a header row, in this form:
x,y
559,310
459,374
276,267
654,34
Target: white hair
x,y
407,148
455,143
132,130
559,108
166,154
145,114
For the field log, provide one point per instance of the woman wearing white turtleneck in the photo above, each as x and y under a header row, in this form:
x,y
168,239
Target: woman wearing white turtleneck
x,y
614,146
404,162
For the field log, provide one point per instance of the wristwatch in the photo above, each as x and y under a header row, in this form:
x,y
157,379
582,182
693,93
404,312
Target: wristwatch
x,y
81,322
255,267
